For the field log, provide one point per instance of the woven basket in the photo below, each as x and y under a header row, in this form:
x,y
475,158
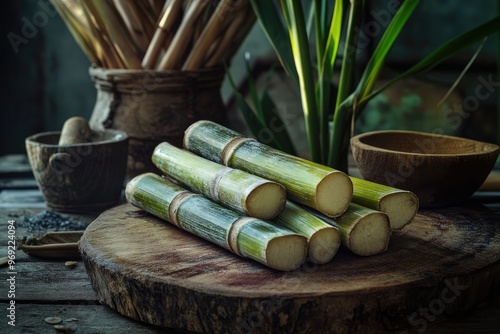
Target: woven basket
x,y
153,106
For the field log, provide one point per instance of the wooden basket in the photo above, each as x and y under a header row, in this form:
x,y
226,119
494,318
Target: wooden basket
x,y
154,106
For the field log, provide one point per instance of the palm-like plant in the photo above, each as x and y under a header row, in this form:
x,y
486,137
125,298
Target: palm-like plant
x,y
330,110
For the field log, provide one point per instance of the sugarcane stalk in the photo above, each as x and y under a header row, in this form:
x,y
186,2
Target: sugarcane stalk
x,y
183,37
400,205
306,182
364,231
236,189
247,237
164,32
323,239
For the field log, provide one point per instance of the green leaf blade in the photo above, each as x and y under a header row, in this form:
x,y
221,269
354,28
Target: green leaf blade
x,y
377,61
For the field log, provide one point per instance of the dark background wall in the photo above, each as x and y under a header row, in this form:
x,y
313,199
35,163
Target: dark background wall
x,y
45,75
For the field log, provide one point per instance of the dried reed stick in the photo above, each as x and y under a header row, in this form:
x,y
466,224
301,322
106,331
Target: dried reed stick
x,y
109,20
164,32
156,7
202,21
140,29
235,42
233,35
106,51
221,16
177,49
76,21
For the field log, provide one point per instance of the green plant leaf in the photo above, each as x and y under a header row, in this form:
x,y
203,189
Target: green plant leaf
x,y
320,18
294,15
272,23
252,87
275,124
252,120
268,127
442,53
377,60
333,41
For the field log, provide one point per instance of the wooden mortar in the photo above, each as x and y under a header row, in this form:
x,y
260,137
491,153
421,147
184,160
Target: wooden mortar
x,y
84,177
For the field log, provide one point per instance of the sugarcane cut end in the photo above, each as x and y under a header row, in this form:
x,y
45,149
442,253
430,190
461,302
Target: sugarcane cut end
x,y
401,207
370,235
266,201
333,194
286,252
323,245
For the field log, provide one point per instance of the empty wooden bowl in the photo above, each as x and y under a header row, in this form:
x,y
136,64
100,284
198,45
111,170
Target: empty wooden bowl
x,y
81,178
440,170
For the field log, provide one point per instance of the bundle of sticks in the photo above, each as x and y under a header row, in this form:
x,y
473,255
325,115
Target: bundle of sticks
x,y
157,34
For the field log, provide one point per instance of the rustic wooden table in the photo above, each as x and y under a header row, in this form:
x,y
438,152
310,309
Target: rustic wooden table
x,y
35,289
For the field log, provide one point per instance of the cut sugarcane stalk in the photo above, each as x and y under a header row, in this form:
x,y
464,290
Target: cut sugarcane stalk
x,y
364,231
323,238
247,237
306,182
400,205
236,189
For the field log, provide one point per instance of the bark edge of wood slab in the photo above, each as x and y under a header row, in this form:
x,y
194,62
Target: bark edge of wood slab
x,y
445,261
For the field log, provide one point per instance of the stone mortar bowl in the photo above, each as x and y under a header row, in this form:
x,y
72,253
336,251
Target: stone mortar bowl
x,y
441,170
79,178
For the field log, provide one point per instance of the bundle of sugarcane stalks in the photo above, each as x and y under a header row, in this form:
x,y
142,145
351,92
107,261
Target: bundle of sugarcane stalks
x,y
157,34
267,205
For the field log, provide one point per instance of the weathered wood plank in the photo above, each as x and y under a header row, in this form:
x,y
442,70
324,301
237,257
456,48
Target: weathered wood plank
x,y
48,281
92,319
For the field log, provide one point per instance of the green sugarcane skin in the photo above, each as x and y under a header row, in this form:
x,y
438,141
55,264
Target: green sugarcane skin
x,y
369,193
200,175
179,165
210,139
148,191
323,238
203,217
299,176
348,220
299,220
387,199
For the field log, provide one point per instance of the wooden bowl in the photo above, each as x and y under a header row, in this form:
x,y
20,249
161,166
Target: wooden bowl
x,y
79,178
440,170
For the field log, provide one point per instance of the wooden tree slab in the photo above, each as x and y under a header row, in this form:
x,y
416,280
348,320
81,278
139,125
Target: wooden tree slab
x,y
446,261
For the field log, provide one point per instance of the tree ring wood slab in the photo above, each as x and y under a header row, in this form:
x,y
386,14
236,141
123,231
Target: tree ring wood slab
x,y
446,261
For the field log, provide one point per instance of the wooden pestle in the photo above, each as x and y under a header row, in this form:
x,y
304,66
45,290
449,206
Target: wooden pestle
x,y
75,130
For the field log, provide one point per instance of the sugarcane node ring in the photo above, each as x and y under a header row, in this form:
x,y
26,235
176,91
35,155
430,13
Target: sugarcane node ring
x,y
234,231
232,146
176,203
